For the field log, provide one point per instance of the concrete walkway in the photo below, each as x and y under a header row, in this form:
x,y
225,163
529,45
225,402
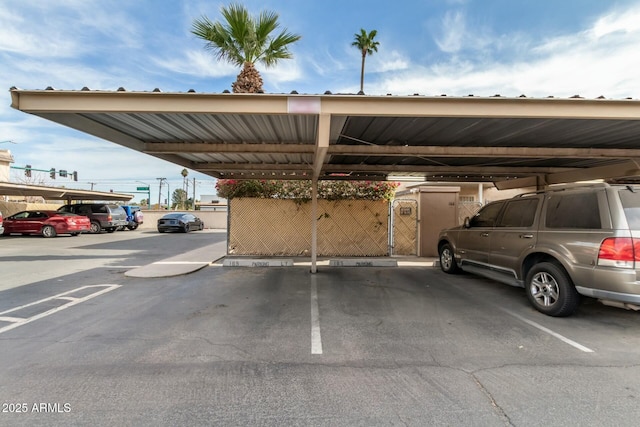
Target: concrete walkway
x,y
184,263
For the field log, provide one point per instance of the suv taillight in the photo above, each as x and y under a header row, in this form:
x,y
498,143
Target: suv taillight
x,y
619,252
109,218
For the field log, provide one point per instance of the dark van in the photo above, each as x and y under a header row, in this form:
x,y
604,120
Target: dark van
x,y
103,216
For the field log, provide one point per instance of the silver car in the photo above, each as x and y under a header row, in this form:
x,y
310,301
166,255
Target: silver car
x,y
558,244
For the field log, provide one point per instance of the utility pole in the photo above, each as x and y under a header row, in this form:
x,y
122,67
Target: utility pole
x,y
160,190
185,187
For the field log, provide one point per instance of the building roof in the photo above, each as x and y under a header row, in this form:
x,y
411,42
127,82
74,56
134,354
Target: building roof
x,y
513,142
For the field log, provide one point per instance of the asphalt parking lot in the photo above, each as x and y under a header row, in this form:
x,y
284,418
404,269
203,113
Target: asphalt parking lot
x,y
402,345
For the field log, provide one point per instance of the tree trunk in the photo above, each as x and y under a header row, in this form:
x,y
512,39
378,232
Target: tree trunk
x,y
248,81
364,55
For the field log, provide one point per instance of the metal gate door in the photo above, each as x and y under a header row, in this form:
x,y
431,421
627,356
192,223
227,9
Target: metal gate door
x,y
403,229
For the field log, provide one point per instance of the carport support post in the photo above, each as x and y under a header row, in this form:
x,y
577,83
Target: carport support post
x,y
314,224
322,146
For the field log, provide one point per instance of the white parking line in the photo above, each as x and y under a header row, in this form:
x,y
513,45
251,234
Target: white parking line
x,y
550,332
17,321
316,338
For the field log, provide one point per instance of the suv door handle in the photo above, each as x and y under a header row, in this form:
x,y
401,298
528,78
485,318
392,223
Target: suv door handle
x,y
526,236
484,235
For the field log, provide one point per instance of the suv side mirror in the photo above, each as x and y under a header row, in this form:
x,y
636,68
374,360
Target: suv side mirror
x,y
467,223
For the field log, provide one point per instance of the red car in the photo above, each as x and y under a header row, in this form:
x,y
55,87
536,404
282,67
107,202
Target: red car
x,y
46,223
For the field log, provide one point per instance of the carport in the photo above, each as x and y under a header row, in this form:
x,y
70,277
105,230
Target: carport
x,y
512,142
59,193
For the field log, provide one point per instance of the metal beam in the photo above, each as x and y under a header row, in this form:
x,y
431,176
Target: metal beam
x,y
619,170
475,169
216,147
449,151
390,150
350,168
271,167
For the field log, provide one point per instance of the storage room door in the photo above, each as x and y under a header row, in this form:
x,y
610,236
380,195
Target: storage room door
x,y
438,210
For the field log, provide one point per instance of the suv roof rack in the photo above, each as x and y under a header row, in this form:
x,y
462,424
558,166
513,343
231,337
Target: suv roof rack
x,y
564,187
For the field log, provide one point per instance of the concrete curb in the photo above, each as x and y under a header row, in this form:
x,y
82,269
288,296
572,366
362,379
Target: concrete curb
x,y
257,262
216,253
362,262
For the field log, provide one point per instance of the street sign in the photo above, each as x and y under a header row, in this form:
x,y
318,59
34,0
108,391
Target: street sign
x,y
142,189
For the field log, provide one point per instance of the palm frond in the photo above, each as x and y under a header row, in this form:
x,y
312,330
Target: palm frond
x,y
240,38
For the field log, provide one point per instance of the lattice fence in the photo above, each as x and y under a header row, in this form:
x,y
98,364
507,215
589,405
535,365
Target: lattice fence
x,y
273,227
467,209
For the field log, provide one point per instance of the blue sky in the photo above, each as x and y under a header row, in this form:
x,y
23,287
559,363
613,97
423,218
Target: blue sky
x,y
455,47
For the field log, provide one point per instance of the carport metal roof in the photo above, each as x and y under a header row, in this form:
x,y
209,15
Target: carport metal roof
x,y
59,193
513,142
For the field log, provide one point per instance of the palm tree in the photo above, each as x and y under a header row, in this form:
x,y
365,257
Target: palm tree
x,y
364,42
243,40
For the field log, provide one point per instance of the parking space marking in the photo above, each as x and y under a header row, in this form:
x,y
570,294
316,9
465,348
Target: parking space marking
x,y
316,338
17,321
550,332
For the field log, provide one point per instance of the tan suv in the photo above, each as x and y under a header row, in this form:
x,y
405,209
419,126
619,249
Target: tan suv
x,y
558,244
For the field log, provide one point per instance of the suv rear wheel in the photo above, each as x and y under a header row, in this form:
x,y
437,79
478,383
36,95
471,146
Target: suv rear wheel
x,y
551,291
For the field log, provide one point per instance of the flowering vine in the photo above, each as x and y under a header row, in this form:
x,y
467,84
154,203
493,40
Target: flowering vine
x,y
301,190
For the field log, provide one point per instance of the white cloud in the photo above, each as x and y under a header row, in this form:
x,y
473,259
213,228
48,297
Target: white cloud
x,y
600,60
323,63
37,74
392,61
65,29
617,22
15,37
454,28
198,63
286,71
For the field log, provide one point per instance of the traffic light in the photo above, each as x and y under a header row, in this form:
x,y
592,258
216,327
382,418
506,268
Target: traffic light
x,y
75,175
52,173
27,171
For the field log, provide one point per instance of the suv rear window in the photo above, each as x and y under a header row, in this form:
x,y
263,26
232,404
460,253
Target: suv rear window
x,y
579,210
631,205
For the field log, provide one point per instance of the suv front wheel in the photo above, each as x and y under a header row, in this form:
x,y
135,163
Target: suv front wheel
x,y
551,291
447,260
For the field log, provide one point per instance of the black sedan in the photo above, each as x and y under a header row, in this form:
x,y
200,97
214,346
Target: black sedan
x,y
179,221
